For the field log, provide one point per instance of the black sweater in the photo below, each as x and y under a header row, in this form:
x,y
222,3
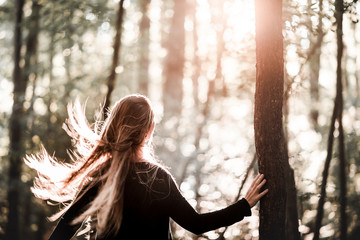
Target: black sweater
x,y
149,206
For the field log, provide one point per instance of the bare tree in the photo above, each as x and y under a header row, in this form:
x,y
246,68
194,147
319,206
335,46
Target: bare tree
x,y
116,55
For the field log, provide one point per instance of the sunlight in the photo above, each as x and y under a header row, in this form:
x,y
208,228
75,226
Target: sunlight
x,y
308,139
237,21
292,64
357,182
299,123
241,17
241,110
6,100
327,230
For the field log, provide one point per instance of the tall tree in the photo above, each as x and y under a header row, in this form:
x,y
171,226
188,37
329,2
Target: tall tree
x,y
16,130
336,116
174,62
116,55
31,58
218,20
315,68
339,12
196,63
144,41
32,43
29,74
268,116
292,218
325,173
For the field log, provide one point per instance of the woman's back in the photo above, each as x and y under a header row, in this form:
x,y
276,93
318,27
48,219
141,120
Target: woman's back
x,y
151,197
147,189
147,202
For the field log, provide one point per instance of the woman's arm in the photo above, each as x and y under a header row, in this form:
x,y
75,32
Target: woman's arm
x,y
184,214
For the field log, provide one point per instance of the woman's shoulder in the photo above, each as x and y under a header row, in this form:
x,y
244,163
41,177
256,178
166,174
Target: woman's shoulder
x,y
153,173
157,169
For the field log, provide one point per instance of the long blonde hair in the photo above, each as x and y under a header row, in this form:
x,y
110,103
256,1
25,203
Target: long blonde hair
x,y
102,157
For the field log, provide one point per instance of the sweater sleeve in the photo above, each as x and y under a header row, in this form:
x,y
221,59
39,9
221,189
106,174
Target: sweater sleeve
x,y
185,215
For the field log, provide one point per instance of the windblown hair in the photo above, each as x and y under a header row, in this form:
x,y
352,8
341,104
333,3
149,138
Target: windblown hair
x,y
102,156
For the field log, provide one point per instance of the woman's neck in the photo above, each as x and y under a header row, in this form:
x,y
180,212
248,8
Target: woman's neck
x,y
140,156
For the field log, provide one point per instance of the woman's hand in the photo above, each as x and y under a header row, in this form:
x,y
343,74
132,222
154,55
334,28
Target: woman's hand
x,y
253,195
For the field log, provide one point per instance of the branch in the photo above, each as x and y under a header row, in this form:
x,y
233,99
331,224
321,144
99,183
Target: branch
x,y
248,170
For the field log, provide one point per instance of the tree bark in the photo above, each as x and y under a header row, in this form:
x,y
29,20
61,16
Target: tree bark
x,y
174,63
116,55
339,12
268,116
292,218
16,126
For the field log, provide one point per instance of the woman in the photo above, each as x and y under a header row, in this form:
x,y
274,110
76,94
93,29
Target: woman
x,y
115,181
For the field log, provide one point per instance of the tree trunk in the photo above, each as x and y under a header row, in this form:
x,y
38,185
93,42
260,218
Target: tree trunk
x,y
174,63
315,70
337,115
217,19
320,208
144,41
268,116
116,55
339,11
16,126
29,74
247,173
31,62
195,93
30,66
292,218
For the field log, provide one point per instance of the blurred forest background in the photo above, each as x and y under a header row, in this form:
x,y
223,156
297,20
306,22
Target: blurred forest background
x,y
196,61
